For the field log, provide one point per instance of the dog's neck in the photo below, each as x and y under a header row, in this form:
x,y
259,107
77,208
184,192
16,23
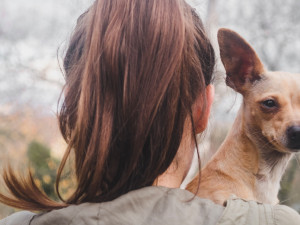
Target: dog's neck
x,y
262,165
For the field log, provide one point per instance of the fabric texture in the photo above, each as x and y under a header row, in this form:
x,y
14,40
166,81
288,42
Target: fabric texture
x,y
150,205
19,218
159,205
241,212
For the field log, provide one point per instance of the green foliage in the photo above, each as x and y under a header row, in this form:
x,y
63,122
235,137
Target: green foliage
x,y
286,190
38,154
44,167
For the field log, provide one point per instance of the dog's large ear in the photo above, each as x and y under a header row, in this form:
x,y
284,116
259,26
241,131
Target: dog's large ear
x,y
241,63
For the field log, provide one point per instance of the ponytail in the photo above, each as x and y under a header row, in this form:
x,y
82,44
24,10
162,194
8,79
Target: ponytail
x,y
133,71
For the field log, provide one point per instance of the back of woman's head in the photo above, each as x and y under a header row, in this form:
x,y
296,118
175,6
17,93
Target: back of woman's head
x,y
133,71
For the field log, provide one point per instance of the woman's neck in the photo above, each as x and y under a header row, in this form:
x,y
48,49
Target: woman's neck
x,y
177,171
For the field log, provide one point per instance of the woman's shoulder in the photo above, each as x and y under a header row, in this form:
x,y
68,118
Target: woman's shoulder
x,y
239,211
282,214
19,218
150,205
159,205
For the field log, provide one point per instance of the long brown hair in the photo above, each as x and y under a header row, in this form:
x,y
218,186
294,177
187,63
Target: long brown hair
x,y
133,71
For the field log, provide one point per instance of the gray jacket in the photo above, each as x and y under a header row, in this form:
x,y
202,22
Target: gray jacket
x,y
159,205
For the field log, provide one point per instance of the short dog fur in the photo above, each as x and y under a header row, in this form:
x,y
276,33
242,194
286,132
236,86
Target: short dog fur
x,y
252,159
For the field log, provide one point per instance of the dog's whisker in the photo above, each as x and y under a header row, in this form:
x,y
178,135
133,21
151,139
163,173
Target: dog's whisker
x,y
297,160
288,199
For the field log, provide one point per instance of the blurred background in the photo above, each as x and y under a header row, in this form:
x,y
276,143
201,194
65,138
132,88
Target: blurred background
x,y
33,39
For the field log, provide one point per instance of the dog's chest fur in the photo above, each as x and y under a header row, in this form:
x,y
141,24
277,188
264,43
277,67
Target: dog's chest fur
x,y
271,169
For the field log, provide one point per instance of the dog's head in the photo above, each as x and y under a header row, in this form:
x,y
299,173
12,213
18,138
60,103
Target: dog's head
x,y
271,100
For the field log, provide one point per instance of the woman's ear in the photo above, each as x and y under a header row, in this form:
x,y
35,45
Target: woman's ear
x,y
200,117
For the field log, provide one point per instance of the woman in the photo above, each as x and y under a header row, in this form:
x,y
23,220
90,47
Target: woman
x,y
137,92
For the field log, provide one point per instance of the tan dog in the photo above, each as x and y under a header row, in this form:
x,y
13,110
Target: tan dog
x,y
254,155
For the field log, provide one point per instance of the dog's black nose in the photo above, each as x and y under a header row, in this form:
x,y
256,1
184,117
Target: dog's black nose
x,y
293,137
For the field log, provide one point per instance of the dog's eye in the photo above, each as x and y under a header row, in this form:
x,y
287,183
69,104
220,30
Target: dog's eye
x,y
269,103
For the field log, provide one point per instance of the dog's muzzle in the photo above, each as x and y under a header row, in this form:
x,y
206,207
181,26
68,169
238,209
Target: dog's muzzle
x,y
293,138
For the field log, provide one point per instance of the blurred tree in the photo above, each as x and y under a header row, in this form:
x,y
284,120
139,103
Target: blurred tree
x,y
31,32
272,27
28,52
44,167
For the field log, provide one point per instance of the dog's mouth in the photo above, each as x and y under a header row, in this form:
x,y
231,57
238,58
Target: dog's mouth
x,y
283,145
289,142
